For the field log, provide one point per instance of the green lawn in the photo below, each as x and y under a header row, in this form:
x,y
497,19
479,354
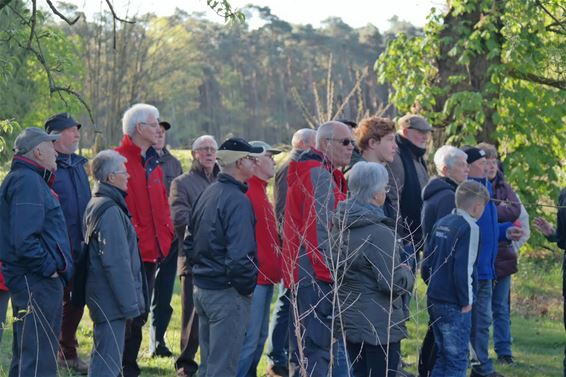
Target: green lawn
x,y
536,323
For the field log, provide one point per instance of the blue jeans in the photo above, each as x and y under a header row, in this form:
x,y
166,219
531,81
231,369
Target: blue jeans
x,y
451,330
340,366
481,322
278,341
256,332
502,316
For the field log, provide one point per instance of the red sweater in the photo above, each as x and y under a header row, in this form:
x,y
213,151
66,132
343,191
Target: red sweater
x,y
267,239
147,202
2,283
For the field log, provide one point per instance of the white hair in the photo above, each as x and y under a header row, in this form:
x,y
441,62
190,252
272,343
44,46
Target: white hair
x,y
447,156
366,179
105,163
201,139
327,130
303,137
138,113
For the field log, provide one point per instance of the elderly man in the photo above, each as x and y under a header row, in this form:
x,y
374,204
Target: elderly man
x,y
439,201
278,343
185,190
316,185
147,202
223,259
72,186
35,253
161,309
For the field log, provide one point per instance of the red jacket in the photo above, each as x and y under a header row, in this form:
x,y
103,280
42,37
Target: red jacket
x,y
147,201
267,239
2,283
315,188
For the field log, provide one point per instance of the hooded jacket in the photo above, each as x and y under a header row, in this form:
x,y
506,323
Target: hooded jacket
x,y
438,201
315,188
221,243
72,186
267,238
369,274
147,201
115,282
33,235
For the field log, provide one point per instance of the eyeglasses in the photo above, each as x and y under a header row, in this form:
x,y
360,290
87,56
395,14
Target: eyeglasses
x,y
344,142
206,149
251,158
120,172
152,125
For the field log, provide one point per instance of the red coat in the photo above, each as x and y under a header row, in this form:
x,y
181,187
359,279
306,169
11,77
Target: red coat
x,y
2,283
267,239
147,202
315,188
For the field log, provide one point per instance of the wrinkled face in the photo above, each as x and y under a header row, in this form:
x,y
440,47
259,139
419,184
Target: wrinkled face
x,y
265,168
417,137
119,178
459,172
338,149
490,168
205,154
477,168
149,130
160,139
386,148
68,141
46,155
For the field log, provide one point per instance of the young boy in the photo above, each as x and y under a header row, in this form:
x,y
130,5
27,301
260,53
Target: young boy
x,y
453,247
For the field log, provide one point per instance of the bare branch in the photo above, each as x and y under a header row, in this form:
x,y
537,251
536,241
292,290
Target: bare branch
x,y
116,16
32,21
559,84
539,3
59,14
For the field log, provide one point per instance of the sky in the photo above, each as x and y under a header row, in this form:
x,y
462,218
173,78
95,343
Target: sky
x,y
355,13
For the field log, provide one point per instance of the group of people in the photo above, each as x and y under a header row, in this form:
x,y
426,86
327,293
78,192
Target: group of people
x,y
354,214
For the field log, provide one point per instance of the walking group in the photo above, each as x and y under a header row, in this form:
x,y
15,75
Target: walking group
x,y
354,216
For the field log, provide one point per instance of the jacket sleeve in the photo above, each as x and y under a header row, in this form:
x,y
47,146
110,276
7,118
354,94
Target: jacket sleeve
x,y
115,257
385,263
238,223
561,221
280,192
396,183
180,205
27,210
510,210
465,254
323,196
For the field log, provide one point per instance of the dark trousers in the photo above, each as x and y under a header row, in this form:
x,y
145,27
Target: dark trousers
x,y
72,316
4,298
375,361
134,328
186,365
427,355
314,304
278,341
37,323
161,310
107,349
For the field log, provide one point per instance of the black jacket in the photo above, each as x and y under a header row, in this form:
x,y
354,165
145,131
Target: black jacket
x,y
221,245
438,201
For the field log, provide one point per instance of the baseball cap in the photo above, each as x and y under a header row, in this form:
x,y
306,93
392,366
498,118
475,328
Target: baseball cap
x,y
236,148
266,147
30,138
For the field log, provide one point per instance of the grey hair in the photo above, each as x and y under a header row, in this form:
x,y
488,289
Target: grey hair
x,y
447,156
201,139
138,113
303,136
105,163
327,130
366,179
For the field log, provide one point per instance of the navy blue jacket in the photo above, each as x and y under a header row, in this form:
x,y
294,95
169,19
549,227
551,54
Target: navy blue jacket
x,y
449,269
33,234
221,246
491,232
72,186
438,201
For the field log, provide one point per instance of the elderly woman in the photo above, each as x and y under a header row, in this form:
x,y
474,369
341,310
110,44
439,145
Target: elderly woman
x,y
370,278
114,290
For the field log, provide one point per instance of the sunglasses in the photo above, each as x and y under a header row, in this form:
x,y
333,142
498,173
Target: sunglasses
x,y
344,142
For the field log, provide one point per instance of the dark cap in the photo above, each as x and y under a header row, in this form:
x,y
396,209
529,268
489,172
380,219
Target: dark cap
x,y
165,125
473,153
30,138
347,122
416,122
235,148
59,122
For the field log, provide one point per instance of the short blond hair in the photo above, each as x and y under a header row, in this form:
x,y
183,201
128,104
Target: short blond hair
x,y
469,193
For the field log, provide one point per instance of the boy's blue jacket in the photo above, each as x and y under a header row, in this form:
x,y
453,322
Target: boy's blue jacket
x,y
491,232
450,266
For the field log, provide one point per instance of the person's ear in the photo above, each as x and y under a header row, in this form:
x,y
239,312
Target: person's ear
x,y
405,131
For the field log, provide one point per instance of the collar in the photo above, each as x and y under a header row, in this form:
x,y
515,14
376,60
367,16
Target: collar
x,y
227,178
47,175
465,215
406,144
255,180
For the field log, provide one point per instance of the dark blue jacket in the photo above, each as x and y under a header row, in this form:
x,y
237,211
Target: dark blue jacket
x,y
491,232
221,246
33,234
72,186
438,201
449,269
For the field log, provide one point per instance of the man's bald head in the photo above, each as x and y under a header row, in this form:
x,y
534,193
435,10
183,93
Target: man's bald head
x,y
304,139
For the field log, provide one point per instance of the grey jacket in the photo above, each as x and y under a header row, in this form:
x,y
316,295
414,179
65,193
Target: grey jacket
x,y
185,189
115,282
370,280
171,168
